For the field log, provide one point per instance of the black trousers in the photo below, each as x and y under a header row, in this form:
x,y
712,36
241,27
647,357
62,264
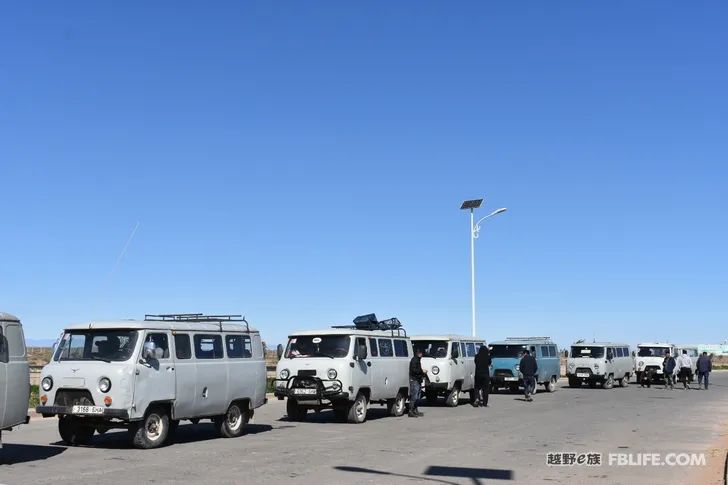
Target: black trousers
x,y
482,388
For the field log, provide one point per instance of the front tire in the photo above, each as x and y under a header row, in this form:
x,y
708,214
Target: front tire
x,y
74,433
396,406
152,432
295,411
358,410
624,381
454,397
609,382
232,424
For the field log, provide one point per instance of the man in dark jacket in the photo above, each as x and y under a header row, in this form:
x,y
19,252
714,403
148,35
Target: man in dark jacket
x,y
705,366
482,377
668,368
416,374
528,368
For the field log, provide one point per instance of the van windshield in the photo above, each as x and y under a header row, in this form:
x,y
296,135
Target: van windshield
x,y
652,351
104,345
431,348
512,351
581,351
333,346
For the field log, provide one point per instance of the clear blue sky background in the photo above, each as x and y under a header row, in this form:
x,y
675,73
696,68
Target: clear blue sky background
x,y
304,162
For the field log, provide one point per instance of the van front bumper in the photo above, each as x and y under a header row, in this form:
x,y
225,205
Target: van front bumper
x,y
50,411
436,386
324,389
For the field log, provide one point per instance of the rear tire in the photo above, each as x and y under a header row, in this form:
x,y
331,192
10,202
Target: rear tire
x,y
295,411
396,406
551,385
74,433
624,381
454,397
358,410
232,424
152,432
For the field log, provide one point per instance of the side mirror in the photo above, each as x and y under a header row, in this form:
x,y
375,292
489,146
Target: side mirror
x,y
279,351
150,351
361,352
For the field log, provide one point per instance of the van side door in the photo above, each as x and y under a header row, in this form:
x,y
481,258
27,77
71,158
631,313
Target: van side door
x,y
4,360
212,379
155,376
185,371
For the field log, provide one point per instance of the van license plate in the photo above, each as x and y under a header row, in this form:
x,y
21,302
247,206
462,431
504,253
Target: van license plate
x,y
582,374
659,371
87,410
305,392
510,378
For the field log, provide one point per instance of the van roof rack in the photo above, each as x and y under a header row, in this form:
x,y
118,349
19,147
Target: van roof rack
x,y
370,323
528,338
197,318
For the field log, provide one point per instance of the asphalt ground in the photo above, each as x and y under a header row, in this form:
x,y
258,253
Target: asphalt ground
x,y
508,442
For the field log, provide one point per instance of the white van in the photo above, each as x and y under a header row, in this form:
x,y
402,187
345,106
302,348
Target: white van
x,y
345,368
599,364
148,375
14,374
650,357
450,365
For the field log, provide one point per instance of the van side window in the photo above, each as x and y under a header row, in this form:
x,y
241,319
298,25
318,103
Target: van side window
x,y
471,349
554,351
208,346
620,352
385,347
455,349
238,347
182,347
400,348
544,351
463,350
14,340
373,347
626,351
161,341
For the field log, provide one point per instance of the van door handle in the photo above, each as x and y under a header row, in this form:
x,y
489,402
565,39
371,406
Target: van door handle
x,y
369,364
170,369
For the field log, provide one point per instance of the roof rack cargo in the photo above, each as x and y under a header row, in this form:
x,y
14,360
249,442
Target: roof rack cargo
x,y
528,338
369,322
197,318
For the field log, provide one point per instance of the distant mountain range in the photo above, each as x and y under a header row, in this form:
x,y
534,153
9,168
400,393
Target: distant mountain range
x,y
42,342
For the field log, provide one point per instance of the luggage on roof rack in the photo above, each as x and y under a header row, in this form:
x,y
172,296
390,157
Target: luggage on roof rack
x,y
369,322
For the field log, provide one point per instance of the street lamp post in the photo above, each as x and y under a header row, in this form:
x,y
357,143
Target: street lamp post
x,y
474,233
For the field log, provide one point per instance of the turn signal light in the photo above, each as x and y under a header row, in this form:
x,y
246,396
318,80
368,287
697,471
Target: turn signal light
x,y
107,401
44,399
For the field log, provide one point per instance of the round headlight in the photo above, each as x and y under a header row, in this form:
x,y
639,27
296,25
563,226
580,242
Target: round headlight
x,y
518,367
285,373
571,365
596,366
104,384
435,370
47,383
641,363
332,373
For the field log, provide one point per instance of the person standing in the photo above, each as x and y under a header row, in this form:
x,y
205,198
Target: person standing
x,y
668,367
685,363
416,374
705,366
528,369
482,377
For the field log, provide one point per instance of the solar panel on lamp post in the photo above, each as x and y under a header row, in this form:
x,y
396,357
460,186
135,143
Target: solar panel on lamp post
x,y
474,232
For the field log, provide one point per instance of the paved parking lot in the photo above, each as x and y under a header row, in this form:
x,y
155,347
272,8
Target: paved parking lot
x,y
507,442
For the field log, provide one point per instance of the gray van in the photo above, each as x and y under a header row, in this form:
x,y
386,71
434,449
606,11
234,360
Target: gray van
x,y
147,376
14,374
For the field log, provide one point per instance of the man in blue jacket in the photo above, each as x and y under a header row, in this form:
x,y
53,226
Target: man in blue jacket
x,y
705,366
668,368
528,367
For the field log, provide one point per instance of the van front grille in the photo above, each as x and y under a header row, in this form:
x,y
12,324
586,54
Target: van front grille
x,y
72,397
583,370
503,373
307,372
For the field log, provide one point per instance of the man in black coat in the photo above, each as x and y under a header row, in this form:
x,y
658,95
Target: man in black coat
x,y
705,366
528,367
416,374
668,368
482,377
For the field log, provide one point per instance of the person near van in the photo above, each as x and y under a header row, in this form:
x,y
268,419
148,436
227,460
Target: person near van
x,y
705,366
482,377
668,367
416,374
528,367
685,363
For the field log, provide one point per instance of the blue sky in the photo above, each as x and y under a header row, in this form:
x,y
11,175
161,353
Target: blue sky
x,y
304,162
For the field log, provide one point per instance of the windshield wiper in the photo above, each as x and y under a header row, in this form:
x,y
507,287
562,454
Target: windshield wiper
x,y
324,354
96,357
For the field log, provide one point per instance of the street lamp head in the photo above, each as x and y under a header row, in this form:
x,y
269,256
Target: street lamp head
x,y
471,204
499,211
